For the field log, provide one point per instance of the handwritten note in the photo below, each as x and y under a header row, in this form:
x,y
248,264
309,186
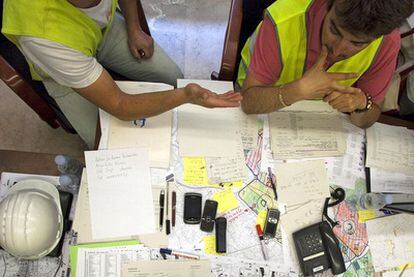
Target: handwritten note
x,y
195,171
226,200
120,193
225,169
301,181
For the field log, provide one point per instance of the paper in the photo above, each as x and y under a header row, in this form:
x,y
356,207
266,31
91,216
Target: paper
x,y
249,130
391,240
390,148
107,261
301,181
344,170
210,245
167,268
387,181
407,273
195,171
82,220
226,200
364,215
209,132
73,250
225,169
155,134
305,134
120,193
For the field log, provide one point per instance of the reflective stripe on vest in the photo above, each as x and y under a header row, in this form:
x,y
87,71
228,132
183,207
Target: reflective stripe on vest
x,y
289,19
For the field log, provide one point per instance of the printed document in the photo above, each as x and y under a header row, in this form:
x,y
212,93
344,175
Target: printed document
x,y
120,194
391,241
167,268
107,261
209,132
390,148
153,133
301,181
388,181
306,134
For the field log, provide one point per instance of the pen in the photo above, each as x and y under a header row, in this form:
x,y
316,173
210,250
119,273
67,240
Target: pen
x,y
167,218
262,242
174,204
162,195
179,254
272,182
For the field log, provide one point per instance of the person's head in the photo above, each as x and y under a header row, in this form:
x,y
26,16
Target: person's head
x,y
350,25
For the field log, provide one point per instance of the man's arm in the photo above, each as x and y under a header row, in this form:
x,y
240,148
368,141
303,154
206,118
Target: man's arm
x,y
138,41
315,83
366,119
106,95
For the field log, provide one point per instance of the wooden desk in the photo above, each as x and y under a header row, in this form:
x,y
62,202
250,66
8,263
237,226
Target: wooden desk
x,y
28,162
386,119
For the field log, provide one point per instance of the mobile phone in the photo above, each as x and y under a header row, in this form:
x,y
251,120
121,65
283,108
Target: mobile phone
x,y
209,215
221,230
192,208
272,219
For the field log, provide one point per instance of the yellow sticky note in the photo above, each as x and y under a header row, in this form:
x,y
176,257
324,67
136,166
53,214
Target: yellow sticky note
x,y
237,184
261,218
226,200
364,215
195,172
210,244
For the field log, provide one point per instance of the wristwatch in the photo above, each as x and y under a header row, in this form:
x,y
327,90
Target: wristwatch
x,y
368,106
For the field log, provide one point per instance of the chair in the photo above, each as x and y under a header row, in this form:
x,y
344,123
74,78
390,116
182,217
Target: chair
x,y
244,17
15,73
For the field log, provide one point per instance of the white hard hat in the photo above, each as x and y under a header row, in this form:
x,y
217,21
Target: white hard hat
x,y
31,221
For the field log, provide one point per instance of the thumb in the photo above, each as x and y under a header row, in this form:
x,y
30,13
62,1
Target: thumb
x,y
320,62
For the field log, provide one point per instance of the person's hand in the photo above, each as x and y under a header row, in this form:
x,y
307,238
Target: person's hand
x,y
200,96
140,44
347,102
317,83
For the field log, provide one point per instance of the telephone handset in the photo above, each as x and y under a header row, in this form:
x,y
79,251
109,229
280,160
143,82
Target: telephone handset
x,y
318,249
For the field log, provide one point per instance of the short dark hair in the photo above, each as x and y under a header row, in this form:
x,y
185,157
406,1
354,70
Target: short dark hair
x,y
372,18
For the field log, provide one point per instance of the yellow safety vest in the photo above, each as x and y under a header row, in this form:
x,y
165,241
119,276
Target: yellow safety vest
x,y
289,19
55,20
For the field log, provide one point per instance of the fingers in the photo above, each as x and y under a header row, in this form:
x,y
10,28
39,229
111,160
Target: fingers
x,y
331,96
135,53
342,76
345,89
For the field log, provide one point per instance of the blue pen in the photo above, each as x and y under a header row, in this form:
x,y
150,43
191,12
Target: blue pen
x,y
272,181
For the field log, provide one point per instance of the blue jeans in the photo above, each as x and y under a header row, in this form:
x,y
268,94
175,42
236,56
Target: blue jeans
x,y
113,54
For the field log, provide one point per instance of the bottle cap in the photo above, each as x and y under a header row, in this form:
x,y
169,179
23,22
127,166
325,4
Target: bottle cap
x,y
60,160
65,180
388,199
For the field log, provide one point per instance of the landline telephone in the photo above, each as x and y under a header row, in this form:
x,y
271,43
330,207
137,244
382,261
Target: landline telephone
x,y
317,246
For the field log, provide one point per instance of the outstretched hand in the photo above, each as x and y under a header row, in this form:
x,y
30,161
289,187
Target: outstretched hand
x,y
140,44
206,98
317,83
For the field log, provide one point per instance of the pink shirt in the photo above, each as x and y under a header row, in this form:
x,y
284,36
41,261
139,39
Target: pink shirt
x,y
265,63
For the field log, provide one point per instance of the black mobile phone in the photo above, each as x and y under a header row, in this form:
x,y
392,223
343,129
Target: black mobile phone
x,y
272,219
209,215
221,230
192,207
